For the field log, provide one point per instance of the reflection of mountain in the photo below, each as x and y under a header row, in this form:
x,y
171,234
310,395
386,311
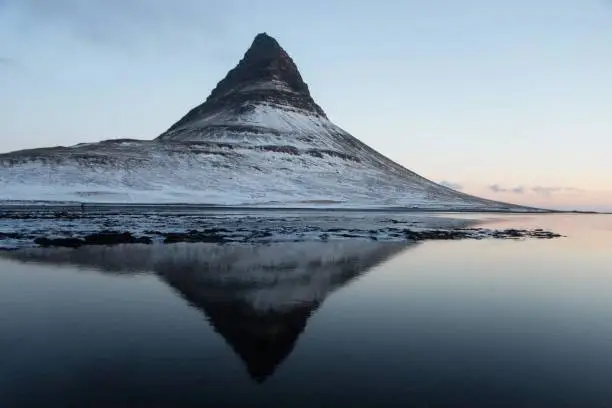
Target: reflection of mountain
x,y
258,298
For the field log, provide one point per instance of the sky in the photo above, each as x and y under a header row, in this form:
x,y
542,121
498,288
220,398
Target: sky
x,y
509,100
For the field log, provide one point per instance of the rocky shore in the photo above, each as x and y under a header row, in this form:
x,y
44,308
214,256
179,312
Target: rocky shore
x,y
77,229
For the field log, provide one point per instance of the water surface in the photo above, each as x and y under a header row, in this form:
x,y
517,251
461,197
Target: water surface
x,y
485,323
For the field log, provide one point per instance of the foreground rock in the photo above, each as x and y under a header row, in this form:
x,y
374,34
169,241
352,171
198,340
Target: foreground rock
x,y
221,236
101,238
207,236
168,226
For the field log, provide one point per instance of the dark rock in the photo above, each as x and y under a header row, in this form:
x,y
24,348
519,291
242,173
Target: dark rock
x,y
143,240
544,234
434,235
281,149
259,234
207,236
174,237
10,235
59,242
109,238
100,238
514,233
340,155
315,153
350,236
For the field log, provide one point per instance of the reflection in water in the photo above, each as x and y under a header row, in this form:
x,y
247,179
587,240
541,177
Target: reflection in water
x,y
258,298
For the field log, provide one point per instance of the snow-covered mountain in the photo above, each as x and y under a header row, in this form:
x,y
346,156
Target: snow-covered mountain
x,y
258,139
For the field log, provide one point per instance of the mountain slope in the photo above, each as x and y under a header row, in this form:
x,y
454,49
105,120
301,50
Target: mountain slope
x,y
258,139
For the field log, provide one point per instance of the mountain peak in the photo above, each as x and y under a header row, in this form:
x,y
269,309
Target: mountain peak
x,y
266,42
265,60
265,74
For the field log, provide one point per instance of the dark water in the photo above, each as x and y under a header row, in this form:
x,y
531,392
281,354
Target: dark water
x,y
438,324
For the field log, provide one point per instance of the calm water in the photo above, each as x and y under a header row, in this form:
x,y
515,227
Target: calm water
x,y
437,324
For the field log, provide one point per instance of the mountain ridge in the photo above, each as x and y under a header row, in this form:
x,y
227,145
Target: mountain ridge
x,y
259,138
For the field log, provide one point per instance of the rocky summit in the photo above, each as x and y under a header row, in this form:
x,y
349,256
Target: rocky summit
x,y
259,139
266,74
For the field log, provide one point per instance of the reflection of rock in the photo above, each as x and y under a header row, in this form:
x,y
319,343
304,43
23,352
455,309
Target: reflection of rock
x,y
258,298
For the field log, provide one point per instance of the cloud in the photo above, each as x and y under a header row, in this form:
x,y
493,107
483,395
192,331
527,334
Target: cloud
x,y
496,188
545,190
541,190
8,63
550,190
450,184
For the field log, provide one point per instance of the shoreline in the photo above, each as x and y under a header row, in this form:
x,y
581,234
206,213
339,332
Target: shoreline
x,y
53,228
76,206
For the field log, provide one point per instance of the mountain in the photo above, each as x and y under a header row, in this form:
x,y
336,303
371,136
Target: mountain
x,y
258,139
